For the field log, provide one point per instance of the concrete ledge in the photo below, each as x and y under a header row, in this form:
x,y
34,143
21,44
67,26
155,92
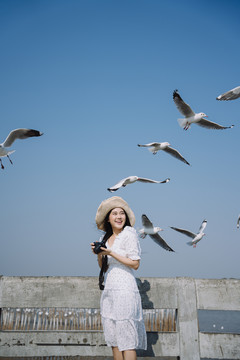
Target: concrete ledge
x,y
220,346
187,295
84,343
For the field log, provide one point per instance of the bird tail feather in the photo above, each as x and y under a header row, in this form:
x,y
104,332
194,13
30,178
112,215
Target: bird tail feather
x,y
9,152
181,122
152,150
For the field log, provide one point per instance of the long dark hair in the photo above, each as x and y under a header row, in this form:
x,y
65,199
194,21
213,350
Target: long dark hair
x,y
108,234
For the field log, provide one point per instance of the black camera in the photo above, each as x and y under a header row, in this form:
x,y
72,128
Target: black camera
x,y
97,246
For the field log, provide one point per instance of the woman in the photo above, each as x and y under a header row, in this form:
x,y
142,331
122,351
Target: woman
x,y
121,307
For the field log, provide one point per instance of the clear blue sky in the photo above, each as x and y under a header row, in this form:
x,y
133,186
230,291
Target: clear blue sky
x,y
97,78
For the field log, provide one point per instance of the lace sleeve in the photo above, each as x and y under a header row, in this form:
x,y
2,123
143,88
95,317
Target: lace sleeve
x,y
132,244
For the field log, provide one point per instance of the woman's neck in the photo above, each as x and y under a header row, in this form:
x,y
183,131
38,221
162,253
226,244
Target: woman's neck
x,y
116,232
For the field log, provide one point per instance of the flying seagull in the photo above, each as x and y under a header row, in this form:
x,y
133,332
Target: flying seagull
x,y
154,147
13,135
238,221
133,179
195,237
191,117
149,229
230,95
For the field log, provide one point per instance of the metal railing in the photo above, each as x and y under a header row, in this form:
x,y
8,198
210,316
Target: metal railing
x,y
72,319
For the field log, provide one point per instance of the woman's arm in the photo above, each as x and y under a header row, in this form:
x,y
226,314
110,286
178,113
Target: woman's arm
x,y
134,264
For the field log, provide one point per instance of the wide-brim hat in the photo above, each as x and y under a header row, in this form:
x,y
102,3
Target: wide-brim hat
x,y
109,204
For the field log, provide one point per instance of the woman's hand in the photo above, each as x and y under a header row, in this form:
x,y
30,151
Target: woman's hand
x,y
93,247
105,251
99,256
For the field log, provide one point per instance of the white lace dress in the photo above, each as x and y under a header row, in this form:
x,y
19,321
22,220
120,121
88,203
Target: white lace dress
x,y
121,307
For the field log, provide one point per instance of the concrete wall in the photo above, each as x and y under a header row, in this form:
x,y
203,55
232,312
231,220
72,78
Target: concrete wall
x,y
187,295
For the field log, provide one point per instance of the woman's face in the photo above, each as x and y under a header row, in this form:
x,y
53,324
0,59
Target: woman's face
x,y
117,219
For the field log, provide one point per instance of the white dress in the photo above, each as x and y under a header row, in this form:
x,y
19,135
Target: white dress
x,y
121,307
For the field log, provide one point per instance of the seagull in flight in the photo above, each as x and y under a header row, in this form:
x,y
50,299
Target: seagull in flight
x,y
230,95
154,147
133,179
190,117
149,229
14,135
238,221
195,237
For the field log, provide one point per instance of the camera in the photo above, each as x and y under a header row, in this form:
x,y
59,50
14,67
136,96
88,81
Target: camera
x,y
98,245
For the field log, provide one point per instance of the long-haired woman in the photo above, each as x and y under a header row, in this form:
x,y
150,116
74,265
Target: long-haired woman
x,y
121,307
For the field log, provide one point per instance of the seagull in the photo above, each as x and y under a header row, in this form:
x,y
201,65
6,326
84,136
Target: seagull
x,y
196,237
230,95
238,221
149,229
191,117
13,135
154,147
133,179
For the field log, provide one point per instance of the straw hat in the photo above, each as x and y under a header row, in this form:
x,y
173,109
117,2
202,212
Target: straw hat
x,y
109,204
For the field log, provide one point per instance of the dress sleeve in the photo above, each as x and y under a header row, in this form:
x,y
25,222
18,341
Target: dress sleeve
x,y
132,244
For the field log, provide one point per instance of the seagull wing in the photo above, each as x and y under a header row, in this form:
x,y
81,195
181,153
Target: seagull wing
x,y
153,181
149,145
181,105
230,95
157,238
146,222
211,125
203,225
118,185
238,221
185,232
20,134
176,154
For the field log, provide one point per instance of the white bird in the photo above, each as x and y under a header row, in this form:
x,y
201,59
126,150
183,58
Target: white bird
x,y
149,229
133,179
13,135
238,221
191,117
230,95
154,147
196,237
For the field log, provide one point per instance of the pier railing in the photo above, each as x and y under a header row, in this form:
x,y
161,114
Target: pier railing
x,y
60,317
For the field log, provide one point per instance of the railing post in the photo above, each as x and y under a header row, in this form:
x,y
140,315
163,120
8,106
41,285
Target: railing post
x,y
188,319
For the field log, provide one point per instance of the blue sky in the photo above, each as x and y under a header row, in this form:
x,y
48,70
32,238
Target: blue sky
x,y
97,78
